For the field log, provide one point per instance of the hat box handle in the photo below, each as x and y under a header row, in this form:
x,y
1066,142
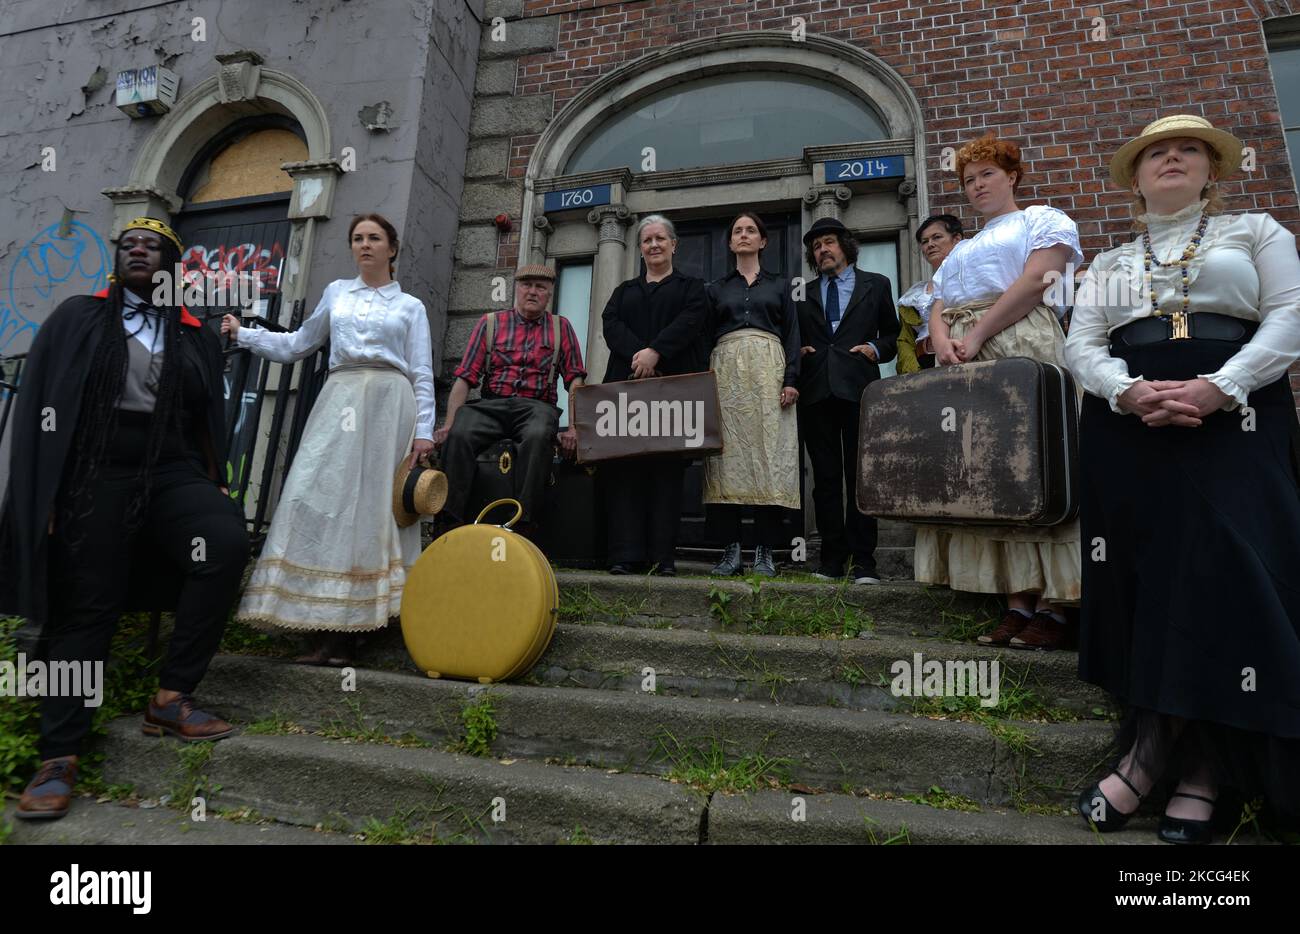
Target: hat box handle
x,y
519,511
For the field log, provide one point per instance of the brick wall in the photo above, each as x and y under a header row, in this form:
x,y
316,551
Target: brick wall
x,y
1031,71
1040,73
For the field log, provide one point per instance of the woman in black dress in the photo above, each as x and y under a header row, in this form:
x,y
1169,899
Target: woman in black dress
x,y
1190,489
654,326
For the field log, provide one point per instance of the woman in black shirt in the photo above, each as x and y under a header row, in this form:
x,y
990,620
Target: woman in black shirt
x,y
756,358
654,326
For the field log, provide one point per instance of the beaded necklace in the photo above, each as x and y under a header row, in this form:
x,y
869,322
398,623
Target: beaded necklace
x,y
1189,251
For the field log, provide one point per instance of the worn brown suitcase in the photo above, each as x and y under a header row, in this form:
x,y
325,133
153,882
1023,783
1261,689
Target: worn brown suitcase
x,y
662,415
994,441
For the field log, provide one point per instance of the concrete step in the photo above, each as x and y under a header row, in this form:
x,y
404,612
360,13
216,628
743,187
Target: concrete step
x,y
351,786
769,816
93,822
792,607
852,673
288,788
856,673
827,747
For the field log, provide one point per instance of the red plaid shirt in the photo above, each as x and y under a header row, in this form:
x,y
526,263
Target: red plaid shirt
x,y
521,355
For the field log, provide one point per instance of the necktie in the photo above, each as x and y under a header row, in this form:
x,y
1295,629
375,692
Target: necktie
x,y
832,302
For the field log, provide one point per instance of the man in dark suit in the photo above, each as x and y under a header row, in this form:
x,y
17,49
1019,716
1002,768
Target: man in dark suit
x,y
849,328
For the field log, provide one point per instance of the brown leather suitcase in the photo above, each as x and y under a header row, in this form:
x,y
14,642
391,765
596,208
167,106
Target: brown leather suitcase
x,y
661,415
995,441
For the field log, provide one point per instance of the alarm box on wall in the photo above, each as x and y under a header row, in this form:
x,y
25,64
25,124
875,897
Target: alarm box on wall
x,y
146,92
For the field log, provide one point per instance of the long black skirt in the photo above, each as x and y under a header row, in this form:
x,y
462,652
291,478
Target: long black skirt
x,y
1191,579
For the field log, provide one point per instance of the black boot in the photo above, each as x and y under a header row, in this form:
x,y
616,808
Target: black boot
x,y
764,566
730,564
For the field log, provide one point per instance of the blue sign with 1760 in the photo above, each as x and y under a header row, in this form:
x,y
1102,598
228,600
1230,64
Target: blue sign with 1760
x,y
571,199
856,170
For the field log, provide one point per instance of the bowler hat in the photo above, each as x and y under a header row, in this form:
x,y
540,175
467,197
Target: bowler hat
x,y
823,226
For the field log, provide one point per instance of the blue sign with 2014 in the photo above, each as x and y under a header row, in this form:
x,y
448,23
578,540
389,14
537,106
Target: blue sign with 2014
x,y
855,170
571,199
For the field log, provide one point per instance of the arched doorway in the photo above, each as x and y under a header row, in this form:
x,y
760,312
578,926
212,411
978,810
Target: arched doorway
x,y
794,130
234,219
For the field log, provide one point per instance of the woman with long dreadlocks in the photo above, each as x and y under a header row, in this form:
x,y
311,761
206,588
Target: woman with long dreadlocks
x,y
118,433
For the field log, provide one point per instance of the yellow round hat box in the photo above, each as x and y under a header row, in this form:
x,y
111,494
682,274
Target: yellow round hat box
x,y
480,603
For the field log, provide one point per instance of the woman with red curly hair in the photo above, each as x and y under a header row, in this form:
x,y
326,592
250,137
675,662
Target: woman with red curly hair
x,y
989,305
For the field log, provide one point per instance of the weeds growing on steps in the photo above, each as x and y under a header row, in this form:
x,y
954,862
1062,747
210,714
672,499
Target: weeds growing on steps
x,y
936,797
130,679
707,767
189,778
478,727
419,825
359,731
901,836
826,615
579,605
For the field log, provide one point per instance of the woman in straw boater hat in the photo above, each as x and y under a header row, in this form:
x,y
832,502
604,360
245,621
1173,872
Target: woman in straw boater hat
x,y
989,305
1190,499
335,559
117,454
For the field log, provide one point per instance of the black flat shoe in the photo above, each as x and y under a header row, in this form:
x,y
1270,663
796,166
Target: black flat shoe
x,y
1183,830
1112,818
621,569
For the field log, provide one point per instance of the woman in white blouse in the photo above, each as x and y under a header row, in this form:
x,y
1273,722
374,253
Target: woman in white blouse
x,y
1191,493
335,560
989,305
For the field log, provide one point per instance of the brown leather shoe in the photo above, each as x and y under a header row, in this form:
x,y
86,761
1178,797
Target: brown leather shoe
x,y
183,720
49,794
1012,625
1043,632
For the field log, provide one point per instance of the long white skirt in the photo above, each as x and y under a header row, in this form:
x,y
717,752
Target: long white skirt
x,y
334,558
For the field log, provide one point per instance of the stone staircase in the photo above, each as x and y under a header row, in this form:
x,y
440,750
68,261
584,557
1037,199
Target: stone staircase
x,y
682,710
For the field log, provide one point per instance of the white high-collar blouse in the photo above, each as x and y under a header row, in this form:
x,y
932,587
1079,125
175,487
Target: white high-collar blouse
x,y
1246,267
984,266
363,325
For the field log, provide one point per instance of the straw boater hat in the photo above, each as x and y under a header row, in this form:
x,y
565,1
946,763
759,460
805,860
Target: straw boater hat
x,y
417,491
1227,146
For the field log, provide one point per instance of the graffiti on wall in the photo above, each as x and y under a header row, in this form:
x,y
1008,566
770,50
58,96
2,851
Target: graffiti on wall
x,y
224,265
67,257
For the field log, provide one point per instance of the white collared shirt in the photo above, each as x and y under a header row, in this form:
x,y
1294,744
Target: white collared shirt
x,y
1246,266
143,327
363,325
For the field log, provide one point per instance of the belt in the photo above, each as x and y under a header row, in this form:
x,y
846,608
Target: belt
x,y
1204,325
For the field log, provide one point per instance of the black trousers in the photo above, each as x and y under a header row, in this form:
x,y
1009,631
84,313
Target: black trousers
x,y
191,532
767,523
830,434
530,423
643,498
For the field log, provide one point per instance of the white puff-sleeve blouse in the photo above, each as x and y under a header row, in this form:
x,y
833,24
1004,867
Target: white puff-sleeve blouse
x,y
986,265
1246,266
363,325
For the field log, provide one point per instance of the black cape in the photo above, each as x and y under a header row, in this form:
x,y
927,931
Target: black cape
x,y
52,381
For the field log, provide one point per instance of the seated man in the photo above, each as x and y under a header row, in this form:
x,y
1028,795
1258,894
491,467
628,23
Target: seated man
x,y
529,347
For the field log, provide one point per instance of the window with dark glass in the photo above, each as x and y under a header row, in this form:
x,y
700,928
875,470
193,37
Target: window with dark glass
x,y
725,119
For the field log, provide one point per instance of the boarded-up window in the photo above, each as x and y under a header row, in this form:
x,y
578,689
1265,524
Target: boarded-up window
x,y
249,166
